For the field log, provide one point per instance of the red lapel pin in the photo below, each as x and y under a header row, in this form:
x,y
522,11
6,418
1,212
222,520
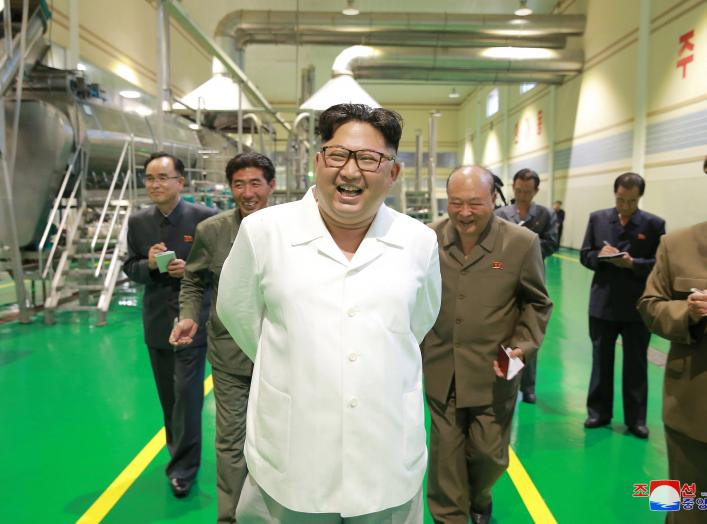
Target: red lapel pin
x,y
496,264
188,238
641,236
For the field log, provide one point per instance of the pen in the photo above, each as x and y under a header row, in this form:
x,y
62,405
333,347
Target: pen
x,y
695,290
606,243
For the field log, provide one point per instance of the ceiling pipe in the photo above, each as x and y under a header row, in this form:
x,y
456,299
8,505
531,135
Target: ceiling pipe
x,y
404,29
475,60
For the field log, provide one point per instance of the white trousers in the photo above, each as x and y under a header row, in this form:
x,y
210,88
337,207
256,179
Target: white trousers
x,y
257,507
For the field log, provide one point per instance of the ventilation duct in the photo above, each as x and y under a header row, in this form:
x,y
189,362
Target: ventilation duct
x,y
456,65
398,29
341,88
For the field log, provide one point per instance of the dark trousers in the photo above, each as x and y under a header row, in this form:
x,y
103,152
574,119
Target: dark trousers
x,y
687,462
527,377
231,395
179,376
635,338
468,453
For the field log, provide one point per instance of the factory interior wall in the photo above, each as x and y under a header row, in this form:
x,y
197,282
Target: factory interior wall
x,y
593,118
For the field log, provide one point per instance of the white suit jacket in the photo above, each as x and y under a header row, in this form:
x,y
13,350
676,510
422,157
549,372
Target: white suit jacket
x,y
335,418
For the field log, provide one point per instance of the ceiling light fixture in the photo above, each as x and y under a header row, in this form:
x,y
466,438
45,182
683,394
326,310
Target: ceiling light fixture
x,y
523,10
350,9
129,93
454,93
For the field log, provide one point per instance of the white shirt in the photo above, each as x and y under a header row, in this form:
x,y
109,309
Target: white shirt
x,y
335,418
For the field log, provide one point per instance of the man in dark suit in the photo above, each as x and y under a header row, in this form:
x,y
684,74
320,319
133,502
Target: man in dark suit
x,y
620,246
543,222
251,177
169,225
493,293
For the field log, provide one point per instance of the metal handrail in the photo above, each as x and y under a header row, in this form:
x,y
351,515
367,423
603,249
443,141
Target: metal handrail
x,y
112,223
64,183
110,193
113,268
62,226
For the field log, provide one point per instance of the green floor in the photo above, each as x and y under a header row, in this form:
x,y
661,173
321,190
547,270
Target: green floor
x,y
78,403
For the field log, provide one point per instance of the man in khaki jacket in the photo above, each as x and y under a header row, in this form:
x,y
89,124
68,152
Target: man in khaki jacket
x,y
493,293
674,306
251,177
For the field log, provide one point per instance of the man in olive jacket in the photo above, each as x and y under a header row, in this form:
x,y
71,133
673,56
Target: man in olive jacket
x,y
493,293
674,306
251,177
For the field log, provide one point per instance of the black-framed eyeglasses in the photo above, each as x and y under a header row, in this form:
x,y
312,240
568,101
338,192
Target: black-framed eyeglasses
x,y
161,179
366,159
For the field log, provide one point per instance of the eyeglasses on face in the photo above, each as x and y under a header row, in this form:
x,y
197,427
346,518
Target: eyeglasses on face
x,y
366,159
161,179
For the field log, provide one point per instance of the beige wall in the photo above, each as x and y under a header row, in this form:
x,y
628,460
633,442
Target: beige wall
x,y
594,113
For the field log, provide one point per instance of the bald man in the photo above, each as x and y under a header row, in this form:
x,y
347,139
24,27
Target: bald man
x,y
493,293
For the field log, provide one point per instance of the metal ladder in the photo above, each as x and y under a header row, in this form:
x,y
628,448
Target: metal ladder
x,y
91,250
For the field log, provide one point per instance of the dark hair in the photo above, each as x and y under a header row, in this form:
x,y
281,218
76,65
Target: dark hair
x,y
250,159
389,123
527,174
558,202
178,164
704,166
629,180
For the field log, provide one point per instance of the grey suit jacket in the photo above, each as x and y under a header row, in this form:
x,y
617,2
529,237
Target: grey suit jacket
x,y
160,304
540,220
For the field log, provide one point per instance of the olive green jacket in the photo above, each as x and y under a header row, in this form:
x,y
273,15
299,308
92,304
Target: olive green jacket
x,y
212,244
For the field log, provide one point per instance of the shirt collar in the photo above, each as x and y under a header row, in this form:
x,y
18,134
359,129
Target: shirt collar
x,y
175,215
310,224
487,239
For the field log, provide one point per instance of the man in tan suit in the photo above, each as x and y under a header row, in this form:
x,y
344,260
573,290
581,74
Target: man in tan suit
x,y
493,293
674,306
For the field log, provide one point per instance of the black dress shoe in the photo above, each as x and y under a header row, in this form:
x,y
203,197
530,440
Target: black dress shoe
x,y
482,518
639,430
180,487
596,422
530,398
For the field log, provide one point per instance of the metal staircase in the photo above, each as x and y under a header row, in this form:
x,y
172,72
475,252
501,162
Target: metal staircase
x,y
89,239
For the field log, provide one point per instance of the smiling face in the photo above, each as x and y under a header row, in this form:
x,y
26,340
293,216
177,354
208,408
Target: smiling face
x,y
469,203
250,190
163,182
347,196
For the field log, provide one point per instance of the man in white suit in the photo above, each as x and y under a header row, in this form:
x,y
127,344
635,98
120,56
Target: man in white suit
x,y
340,293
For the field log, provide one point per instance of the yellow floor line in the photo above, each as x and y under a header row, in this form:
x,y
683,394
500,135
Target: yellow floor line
x,y
109,498
532,499
564,257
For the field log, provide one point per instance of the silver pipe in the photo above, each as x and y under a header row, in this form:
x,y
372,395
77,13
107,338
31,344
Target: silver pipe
x,y
418,160
240,117
244,24
432,164
163,71
7,20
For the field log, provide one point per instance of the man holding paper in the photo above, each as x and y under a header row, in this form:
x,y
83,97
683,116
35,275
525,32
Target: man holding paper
x,y
620,246
493,295
159,240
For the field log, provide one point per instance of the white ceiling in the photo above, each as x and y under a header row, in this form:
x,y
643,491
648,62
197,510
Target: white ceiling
x,y
275,69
